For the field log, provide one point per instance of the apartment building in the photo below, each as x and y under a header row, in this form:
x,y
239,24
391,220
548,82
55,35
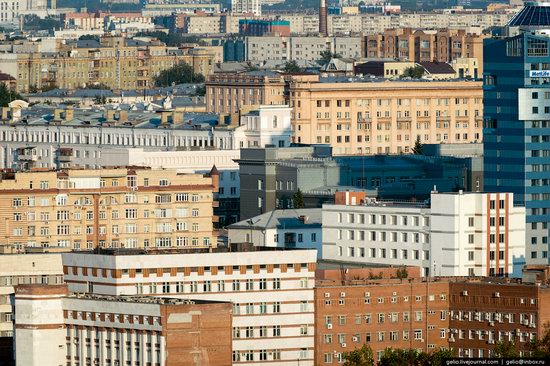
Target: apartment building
x,y
201,23
53,327
451,234
118,208
267,125
417,45
261,49
467,315
21,269
271,292
117,62
228,93
376,116
253,7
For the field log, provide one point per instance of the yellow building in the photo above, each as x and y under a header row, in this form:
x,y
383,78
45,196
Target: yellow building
x,y
117,62
381,117
117,208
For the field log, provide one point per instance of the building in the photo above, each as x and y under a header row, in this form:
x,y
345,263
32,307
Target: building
x,y
408,44
167,9
425,315
319,175
515,118
16,9
117,208
107,22
116,62
197,23
267,125
228,93
17,270
247,7
54,327
229,192
452,234
271,292
256,27
49,137
375,116
292,228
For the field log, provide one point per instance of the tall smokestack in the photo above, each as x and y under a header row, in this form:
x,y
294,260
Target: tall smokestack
x,y
323,26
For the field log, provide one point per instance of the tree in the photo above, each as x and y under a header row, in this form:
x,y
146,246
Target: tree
x,y
505,349
89,37
179,74
402,272
327,55
540,348
400,357
34,22
438,356
170,39
415,72
7,96
359,357
418,148
200,91
292,66
298,199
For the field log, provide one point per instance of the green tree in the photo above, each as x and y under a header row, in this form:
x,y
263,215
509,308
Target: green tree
x,y
7,96
505,349
402,272
298,199
292,66
327,55
400,357
200,91
89,37
359,357
179,74
415,72
418,148
170,39
437,357
540,348
34,22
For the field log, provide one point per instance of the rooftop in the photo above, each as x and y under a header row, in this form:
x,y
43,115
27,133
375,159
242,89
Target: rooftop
x,y
533,15
291,218
141,299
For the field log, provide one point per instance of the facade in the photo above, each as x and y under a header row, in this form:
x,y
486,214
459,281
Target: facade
x,y
452,234
271,292
118,208
200,23
17,270
228,93
300,48
293,228
61,138
53,327
254,27
268,125
366,116
229,192
408,44
425,315
515,121
117,62
319,175
247,6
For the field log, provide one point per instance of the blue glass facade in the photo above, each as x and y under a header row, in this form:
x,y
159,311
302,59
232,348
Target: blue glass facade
x,y
516,130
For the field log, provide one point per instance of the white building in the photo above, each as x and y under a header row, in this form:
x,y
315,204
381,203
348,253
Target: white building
x,y
272,293
292,228
266,125
456,234
247,6
20,269
55,328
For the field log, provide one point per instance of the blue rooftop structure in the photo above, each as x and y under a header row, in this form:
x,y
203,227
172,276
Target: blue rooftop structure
x,y
533,15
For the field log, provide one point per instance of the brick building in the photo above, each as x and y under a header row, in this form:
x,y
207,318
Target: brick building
x,y
467,315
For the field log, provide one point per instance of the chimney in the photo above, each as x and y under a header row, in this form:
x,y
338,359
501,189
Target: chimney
x,y
323,22
69,114
110,115
122,116
6,113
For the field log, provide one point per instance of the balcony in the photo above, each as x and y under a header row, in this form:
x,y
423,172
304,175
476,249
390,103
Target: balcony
x,y
28,157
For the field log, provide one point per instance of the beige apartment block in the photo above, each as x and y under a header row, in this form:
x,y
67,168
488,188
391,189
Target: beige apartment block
x,y
117,208
385,117
117,62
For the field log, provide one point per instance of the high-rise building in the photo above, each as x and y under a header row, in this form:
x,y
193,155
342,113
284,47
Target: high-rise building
x,y
247,6
517,124
123,207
